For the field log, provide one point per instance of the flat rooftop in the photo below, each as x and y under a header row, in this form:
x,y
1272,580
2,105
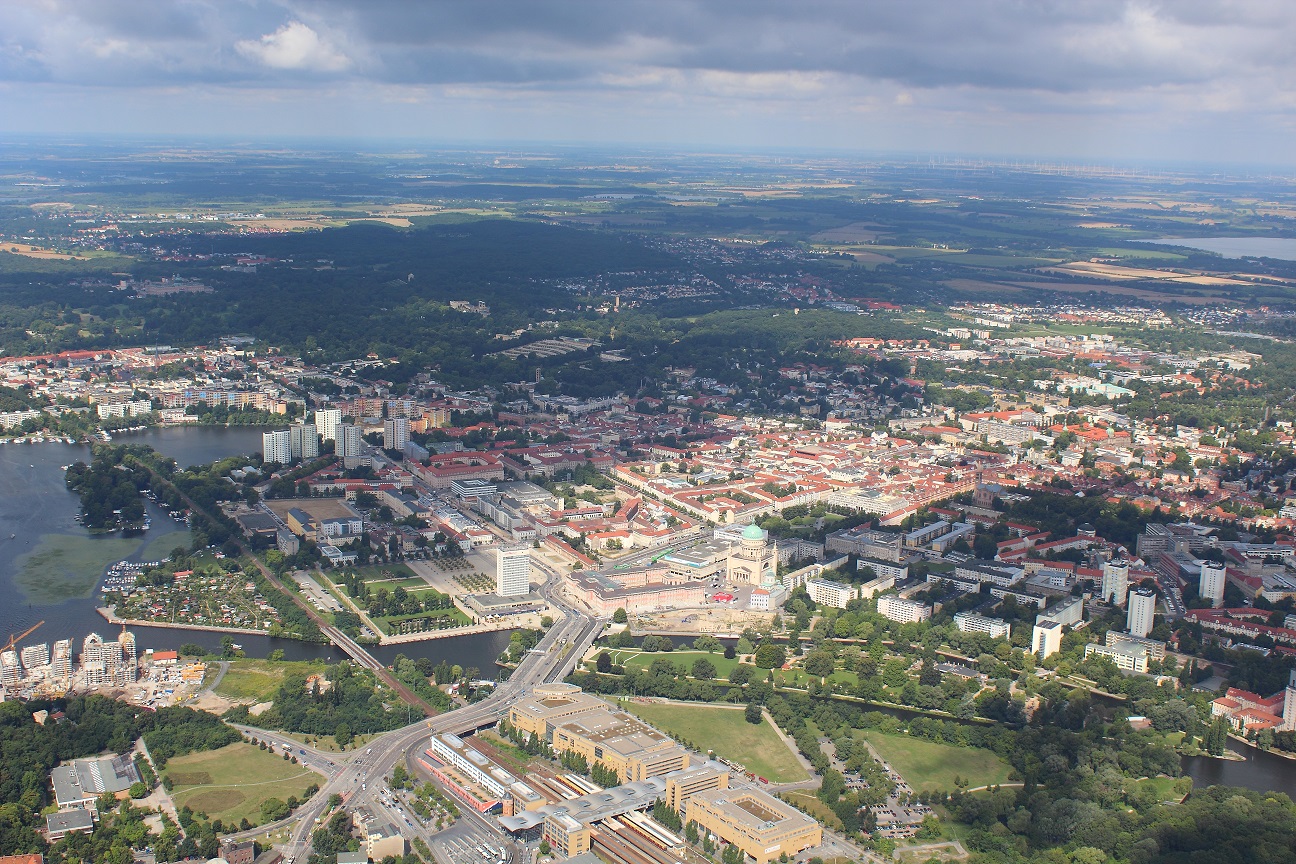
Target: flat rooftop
x,y
320,509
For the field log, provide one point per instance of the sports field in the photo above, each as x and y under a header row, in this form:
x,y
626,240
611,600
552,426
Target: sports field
x,y
758,748
230,783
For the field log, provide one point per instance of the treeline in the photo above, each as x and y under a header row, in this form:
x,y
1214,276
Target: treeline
x,y
182,730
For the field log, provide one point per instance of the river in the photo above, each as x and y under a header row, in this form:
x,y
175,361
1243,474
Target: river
x,y
50,566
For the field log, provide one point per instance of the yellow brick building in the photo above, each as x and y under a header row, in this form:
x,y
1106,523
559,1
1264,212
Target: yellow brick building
x,y
759,824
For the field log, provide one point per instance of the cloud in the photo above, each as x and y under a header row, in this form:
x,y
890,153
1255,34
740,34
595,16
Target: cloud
x,y
925,71
294,46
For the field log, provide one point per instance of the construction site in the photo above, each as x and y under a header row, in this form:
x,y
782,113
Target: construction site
x,y
113,667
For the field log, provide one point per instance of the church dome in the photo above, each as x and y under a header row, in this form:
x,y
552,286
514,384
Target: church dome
x,y
753,532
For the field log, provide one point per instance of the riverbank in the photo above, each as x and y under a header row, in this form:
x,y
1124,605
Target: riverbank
x,y
449,632
112,618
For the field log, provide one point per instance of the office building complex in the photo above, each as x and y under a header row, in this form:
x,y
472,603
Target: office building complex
x,y
759,824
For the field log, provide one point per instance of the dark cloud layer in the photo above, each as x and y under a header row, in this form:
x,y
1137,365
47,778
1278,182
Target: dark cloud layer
x,y
926,63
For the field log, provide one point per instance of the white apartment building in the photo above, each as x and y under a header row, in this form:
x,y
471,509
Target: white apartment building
x,y
1212,583
277,446
326,422
303,441
396,433
1046,638
1115,582
905,611
1142,609
828,593
970,622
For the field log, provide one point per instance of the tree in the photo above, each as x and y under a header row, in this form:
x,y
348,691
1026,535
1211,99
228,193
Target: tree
x,y
703,668
730,652
770,656
820,664
138,790
752,713
272,810
342,734
603,663
620,616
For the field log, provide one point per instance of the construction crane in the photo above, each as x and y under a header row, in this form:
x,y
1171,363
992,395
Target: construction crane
x,y
14,640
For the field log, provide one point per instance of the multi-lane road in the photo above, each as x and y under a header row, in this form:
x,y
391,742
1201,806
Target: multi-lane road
x,y
360,777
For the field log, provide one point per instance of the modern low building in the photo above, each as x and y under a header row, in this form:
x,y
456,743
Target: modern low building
x,y
59,825
760,825
1127,656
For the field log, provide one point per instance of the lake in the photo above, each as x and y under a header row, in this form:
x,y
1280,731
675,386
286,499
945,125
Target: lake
x,y
50,567
1236,247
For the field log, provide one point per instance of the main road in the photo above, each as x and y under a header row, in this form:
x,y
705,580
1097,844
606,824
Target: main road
x,y
360,779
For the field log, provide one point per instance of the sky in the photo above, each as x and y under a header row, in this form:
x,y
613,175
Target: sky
x,y
1104,81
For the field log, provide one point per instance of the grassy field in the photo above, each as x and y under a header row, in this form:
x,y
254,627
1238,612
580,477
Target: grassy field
x,y
928,765
259,680
756,747
230,783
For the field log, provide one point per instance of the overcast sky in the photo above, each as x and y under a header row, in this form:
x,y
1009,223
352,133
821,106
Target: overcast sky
x,y
1101,80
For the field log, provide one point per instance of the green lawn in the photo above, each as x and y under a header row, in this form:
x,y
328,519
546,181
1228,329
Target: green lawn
x,y
642,660
259,680
230,783
757,747
928,765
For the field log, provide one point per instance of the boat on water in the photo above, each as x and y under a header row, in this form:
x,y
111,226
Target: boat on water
x,y
236,646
